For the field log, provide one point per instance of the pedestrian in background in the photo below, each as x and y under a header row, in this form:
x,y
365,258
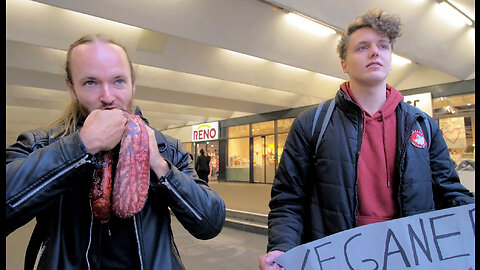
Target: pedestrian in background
x,y
202,166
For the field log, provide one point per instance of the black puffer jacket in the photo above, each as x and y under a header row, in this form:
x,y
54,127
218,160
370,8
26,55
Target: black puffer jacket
x,y
50,179
311,200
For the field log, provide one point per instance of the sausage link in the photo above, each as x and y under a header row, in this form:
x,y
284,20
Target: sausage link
x,y
132,177
100,194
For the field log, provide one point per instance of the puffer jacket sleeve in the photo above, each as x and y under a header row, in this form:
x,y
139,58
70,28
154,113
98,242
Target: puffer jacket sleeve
x,y
448,191
36,173
287,204
199,209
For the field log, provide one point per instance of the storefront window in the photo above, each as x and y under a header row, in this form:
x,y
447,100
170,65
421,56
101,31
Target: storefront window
x,y
456,117
283,125
238,162
264,150
238,131
281,142
187,147
263,128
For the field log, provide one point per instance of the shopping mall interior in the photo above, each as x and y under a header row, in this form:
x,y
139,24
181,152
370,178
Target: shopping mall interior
x,y
250,67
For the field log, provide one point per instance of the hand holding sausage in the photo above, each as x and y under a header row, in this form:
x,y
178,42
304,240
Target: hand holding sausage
x,y
157,162
103,130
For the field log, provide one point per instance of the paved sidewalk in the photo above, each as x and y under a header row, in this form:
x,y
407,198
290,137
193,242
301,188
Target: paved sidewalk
x,y
230,250
249,197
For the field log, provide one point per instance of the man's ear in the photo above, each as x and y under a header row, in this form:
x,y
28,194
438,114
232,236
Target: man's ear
x,y
344,66
71,90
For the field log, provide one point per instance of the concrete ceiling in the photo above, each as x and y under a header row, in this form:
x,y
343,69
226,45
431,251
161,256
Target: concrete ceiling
x,y
208,60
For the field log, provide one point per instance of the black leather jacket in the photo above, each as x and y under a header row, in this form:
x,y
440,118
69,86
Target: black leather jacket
x,y
315,195
49,179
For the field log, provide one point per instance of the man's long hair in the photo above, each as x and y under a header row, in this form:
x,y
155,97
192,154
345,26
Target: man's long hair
x,y
74,114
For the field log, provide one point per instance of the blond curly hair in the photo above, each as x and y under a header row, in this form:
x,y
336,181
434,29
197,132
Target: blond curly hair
x,y
380,21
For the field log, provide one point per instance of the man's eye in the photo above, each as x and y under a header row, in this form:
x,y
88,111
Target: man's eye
x,y
89,83
120,81
361,48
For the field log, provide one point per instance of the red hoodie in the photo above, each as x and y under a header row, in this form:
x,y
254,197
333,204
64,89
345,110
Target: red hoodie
x,y
376,164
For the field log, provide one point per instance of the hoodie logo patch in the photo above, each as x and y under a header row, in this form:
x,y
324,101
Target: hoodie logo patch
x,y
417,139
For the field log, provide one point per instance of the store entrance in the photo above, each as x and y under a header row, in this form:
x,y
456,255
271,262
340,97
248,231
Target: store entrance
x,y
211,149
263,159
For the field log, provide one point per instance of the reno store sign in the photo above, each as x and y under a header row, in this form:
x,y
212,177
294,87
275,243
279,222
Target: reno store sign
x,y
205,132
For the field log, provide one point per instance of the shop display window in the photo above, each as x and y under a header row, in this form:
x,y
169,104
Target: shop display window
x,y
265,151
263,128
188,146
238,131
456,117
281,143
238,161
283,125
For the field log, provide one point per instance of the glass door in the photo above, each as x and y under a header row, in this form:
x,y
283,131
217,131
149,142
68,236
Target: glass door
x,y
263,159
269,158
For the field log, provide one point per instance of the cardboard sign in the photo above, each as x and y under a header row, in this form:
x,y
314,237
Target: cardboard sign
x,y
205,132
453,130
443,239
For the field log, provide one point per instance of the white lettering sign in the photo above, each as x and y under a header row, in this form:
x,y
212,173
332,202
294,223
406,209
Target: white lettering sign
x,y
205,132
443,239
422,101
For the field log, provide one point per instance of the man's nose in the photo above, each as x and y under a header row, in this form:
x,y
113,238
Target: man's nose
x,y
373,51
106,95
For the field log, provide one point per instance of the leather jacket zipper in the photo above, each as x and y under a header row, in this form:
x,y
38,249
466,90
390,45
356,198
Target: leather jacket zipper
x,y
175,192
138,242
136,236
61,173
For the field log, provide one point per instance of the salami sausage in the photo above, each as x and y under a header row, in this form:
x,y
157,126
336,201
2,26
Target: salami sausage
x,y
132,175
102,188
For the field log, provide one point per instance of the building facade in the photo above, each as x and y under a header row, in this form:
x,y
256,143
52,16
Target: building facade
x,y
248,149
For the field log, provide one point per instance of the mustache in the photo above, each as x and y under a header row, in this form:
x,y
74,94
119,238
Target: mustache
x,y
83,111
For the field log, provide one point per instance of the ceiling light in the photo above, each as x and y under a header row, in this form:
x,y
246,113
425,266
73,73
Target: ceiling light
x,y
309,24
452,11
245,56
292,67
400,60
328,77
462,9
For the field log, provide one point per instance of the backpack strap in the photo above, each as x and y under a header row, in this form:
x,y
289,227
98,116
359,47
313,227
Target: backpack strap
x,y
323,113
